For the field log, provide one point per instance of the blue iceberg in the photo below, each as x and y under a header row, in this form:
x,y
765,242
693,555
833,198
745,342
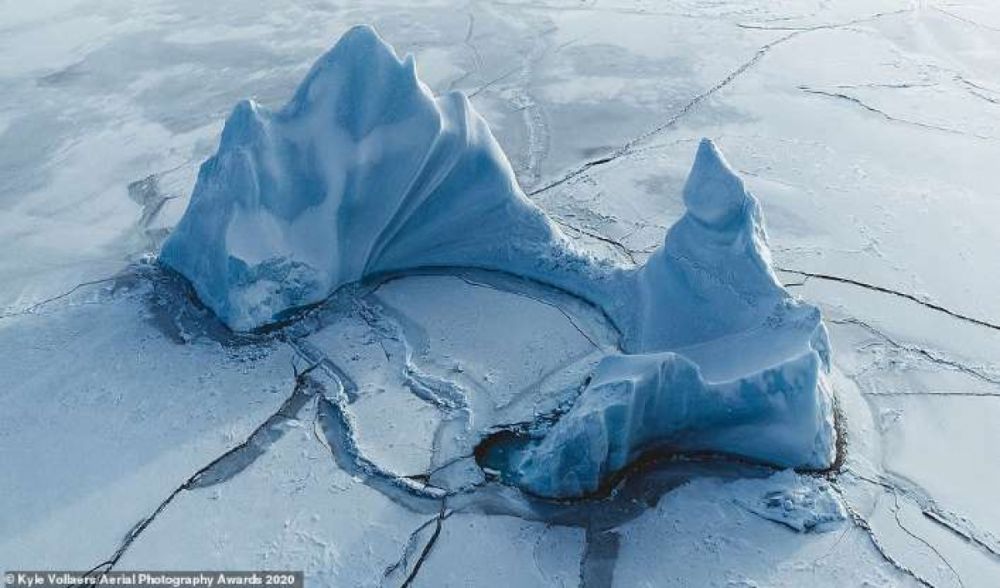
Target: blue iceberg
x,y
364,172
723,360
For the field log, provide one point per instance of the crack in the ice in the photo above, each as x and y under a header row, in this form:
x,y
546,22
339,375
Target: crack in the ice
x,y
830,26
913,123
439,392
477,58
905,529
442,393
302,383
944,521
979,373
931,510
888,85
616,244
862,523
891,292
373,319
402,565
794,284
429,546
489,84
944,393
561,310
37,305
629,147
977,90
967,21
317,358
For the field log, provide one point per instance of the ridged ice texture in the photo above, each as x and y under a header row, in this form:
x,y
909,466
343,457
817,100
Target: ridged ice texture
x,y
365,172
725,362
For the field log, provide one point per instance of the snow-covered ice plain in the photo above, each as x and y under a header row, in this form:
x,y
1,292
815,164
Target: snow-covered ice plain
x,y
139,432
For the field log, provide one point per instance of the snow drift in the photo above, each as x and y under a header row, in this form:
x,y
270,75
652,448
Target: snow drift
x,y
364,172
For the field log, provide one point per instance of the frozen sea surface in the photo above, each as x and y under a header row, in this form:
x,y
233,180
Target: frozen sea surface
x,y
139,432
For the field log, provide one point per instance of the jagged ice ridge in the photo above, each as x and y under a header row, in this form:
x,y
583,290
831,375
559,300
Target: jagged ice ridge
x,y
364,172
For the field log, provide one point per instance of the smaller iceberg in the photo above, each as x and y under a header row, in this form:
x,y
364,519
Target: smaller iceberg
x,y
724,360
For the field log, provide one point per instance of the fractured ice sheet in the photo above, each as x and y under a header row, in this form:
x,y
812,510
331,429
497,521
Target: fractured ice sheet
x,y
364,174
703,521
292,509
547,555
104,415
413,347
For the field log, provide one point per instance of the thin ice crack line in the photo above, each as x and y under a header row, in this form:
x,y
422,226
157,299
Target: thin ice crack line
x,y
822,27
444,394
429,546
899,523
931,510
347,448
37,305
978,372
525,64
561,310
944,522
404,561
862,523
477,58
891,292
905,121
630,146
965,20
301,380
617,245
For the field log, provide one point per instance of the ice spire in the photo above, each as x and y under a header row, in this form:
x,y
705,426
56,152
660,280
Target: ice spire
x,y
713,193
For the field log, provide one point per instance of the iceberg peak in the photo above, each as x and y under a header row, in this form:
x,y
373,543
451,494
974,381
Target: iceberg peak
x,y
713,193
363,172
360,83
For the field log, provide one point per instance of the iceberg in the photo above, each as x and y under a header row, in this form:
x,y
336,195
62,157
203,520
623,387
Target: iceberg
x,y
805,504
723,359
363,172
366,173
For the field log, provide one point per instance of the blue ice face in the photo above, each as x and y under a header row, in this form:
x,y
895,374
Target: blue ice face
x,y
365,172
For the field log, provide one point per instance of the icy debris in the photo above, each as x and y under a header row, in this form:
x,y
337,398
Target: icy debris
x,y
364,173
802,503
